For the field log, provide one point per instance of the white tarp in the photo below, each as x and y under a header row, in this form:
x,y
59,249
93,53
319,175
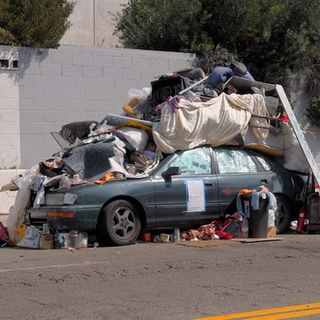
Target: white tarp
x,y
214,122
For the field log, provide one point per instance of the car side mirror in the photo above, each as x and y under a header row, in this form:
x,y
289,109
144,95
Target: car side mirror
x,y
172,171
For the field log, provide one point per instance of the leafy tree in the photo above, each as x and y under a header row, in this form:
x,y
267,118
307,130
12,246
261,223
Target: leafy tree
x,y
34,23
160,25
269,36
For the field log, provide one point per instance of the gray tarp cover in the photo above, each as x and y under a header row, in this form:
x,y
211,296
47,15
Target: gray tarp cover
x,y
214,122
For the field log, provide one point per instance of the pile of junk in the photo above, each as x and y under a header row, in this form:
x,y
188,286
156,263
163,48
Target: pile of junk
x,y
179,111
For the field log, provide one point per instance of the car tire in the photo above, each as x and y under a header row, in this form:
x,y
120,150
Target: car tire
x,y
119,224
284,214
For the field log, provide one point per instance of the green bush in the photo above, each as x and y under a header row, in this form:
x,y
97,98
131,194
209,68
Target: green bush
x,y
269,36
34,23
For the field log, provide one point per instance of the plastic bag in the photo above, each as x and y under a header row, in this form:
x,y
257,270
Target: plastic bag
x,y
19,233
137,93
31,238
16,213
136,137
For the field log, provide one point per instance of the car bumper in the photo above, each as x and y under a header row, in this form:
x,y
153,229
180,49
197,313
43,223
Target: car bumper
x,y
65,218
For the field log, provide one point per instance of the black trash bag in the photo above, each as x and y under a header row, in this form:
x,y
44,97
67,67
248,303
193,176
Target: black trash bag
x,y
79,129
165,87
238,68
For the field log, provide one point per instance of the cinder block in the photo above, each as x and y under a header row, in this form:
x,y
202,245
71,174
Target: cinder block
x,y
9,103
141,63
26,81
9,115
32,140
71,71
60,57
26,128
28,92
112,73
9,139
37,152
82,59
74,93
92,71
50,69
159,64
96,106
43,81
8,127
124,84
10,92
98,94
26,103
61,116
102,60
32,116
52,93
42,128
131,74
33,69
91,83
65,82
122,62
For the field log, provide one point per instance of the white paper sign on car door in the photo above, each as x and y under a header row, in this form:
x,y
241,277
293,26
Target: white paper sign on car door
x,y
195,196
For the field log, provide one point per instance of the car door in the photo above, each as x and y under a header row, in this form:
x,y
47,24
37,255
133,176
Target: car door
x,y
191,197
237,169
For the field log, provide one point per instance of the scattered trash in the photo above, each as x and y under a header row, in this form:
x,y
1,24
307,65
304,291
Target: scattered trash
x,y
46,238
176,235
31,238
165,238
77,240
146,237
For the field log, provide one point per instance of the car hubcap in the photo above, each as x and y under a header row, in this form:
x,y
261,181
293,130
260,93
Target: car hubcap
x,y
123,222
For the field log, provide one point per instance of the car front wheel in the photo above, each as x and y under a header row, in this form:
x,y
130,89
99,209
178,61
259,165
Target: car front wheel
x,y
119,224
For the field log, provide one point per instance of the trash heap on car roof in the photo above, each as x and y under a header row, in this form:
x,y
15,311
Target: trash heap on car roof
x,y
179,111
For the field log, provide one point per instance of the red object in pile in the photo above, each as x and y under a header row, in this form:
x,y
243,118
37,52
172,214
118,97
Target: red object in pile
x,y
146,237
3,233
301,219
284,118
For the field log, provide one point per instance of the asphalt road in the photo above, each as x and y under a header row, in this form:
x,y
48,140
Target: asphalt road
x,y
159,281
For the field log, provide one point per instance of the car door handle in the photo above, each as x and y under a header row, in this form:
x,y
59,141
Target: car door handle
x,y
208,183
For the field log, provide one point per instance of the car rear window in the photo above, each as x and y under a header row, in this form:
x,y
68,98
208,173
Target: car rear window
x,y
265,164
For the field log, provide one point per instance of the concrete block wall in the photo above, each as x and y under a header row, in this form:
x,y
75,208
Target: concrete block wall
x,y
56,86
9,111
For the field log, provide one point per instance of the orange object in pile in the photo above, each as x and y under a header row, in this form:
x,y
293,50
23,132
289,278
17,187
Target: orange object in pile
x,y
109,176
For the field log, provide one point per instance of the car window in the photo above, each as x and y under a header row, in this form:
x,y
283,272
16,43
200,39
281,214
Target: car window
x,y
266,166
233,161
195,161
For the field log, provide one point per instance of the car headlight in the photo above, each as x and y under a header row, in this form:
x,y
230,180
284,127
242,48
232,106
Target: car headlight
x,y
69,198
59,199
